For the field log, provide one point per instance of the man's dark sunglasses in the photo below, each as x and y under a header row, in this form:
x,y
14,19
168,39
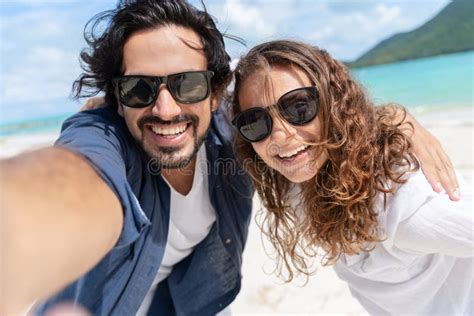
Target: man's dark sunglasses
x,y
297,107
142,91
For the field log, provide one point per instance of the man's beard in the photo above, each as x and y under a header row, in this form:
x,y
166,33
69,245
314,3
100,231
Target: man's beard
x,y
169,157
164,157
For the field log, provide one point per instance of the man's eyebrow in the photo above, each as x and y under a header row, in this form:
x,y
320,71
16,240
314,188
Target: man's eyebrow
x,y
145,74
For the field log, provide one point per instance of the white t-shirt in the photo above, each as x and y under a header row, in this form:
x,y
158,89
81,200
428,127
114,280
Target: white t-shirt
x,y
425,266
191,219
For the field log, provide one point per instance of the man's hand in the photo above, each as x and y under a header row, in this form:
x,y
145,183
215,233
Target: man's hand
x,y
93,103
435,163
58,219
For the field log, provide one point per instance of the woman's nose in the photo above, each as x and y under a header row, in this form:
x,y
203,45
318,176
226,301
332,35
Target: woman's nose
x,y
282,130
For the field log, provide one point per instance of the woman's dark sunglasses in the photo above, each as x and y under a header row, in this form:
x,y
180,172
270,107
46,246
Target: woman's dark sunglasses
x,y
142,91
297,107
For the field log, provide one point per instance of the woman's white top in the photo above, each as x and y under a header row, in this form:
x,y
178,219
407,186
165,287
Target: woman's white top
x,y
425,264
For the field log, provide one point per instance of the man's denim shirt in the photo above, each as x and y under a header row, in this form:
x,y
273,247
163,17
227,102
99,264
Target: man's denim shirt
x,y
203,283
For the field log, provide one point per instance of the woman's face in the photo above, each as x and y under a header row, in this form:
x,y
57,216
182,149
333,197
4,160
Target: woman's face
x,y
286,149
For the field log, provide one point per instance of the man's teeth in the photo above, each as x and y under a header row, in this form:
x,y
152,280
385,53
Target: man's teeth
x,y
169,130
293,152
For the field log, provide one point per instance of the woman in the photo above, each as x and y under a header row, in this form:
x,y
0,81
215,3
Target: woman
x,y
337,175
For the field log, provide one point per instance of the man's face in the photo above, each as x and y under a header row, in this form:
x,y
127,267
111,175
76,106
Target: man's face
x,y
167,130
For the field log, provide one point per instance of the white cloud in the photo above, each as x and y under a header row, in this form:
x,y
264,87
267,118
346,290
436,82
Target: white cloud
x,y
40,43
247,18
358,25
34,25
386,13
45,73
39,48
233,63
347,34
350,26
323,33
43,2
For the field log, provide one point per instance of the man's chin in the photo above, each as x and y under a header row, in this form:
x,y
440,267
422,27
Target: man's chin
x,y
176,163
171,161
172,158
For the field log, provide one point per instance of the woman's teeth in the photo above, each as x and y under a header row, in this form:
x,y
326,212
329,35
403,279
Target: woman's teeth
x,y
290,154
169,131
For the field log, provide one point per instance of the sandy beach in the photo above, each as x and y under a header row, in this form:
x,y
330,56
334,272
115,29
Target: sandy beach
x,y
263,293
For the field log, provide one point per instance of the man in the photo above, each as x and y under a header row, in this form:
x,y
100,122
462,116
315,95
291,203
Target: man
x,y
135,194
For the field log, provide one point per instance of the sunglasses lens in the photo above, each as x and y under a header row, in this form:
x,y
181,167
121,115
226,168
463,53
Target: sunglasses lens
x,y
136,92
254,125
300,106
189,87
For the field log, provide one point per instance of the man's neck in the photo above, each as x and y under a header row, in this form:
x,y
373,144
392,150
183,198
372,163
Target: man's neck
x,y
181,179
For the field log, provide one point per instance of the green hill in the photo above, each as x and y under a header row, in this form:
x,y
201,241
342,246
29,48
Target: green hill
x,y
452,30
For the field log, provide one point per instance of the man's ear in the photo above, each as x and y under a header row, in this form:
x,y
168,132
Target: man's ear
x,y
120,109
215,102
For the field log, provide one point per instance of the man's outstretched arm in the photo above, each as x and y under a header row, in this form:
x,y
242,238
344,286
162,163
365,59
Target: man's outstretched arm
x,y
58,218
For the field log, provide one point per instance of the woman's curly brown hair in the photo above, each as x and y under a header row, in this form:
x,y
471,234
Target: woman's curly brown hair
x,y
367,154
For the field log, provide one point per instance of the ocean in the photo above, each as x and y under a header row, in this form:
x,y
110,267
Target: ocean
x,y
421,85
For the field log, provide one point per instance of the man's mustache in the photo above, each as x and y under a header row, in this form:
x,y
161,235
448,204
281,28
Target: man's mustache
x,y
150,119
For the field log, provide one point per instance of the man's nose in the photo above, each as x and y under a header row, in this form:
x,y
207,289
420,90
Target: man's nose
x,y
165,106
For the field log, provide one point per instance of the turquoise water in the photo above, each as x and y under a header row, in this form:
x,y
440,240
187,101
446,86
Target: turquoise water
x,y
48,124
423,84
426,84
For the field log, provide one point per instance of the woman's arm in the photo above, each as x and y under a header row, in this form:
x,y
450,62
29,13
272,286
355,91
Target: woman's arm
x,y
439,226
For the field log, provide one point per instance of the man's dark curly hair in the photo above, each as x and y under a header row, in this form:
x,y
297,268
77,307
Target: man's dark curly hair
x,y
107,32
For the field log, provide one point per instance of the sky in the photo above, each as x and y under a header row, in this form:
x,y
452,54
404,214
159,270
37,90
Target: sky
x,y
40,40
